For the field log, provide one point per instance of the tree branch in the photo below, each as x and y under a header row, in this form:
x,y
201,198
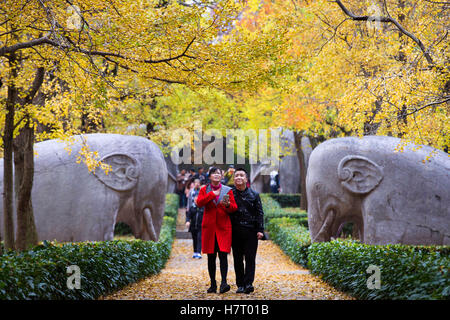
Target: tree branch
x,y
388,19
24,45
429,105
37,83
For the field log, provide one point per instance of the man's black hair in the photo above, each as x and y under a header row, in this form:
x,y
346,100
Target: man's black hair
x,y
241,169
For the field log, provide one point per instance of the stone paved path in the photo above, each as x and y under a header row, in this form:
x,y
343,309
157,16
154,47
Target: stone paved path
x,y
277,278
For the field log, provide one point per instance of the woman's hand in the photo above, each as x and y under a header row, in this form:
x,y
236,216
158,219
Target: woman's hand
x,y
216,192
225,201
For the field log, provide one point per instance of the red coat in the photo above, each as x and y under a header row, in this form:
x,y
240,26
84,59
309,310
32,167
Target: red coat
x,y
216,220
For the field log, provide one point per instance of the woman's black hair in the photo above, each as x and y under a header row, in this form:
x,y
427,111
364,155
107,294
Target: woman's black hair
x,y
213,169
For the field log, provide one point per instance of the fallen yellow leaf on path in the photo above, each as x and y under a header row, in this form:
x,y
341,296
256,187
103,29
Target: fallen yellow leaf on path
x,y
184,278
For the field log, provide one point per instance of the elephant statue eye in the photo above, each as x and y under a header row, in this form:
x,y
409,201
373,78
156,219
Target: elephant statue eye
x,y
357,175
120,172
132,172
345,174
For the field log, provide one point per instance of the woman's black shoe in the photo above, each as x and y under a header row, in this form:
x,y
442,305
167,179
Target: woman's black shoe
x,y
249,289
224,288
212,289
240,290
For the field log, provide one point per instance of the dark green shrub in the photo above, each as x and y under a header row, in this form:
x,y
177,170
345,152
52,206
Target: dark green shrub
x,y
272,209
40,273
407,272
122,229
286,200
172,202
291,237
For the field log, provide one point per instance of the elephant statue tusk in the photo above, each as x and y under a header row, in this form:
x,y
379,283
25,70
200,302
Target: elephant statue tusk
x,y
149,224
325,230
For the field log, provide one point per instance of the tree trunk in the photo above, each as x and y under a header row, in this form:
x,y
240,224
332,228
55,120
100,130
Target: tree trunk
x,y
301,160
8,195
24,173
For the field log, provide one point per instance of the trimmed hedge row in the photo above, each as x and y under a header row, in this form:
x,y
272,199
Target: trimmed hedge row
x,y
291,237
172,201
272,209
105,266
286,200
406,272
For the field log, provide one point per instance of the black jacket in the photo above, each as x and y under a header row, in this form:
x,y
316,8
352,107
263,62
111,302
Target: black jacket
x,y
250,212
195,214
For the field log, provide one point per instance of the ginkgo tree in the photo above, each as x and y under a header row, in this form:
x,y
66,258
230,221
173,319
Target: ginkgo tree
x,y
359,68
66,66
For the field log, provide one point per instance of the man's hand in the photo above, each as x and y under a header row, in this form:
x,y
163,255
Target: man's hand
x,y
188,224
260,235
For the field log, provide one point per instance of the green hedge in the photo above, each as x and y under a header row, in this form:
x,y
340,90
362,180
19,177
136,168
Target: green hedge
x,y
286,200
272,209
122,229
40,273
171,209
291,237
406,272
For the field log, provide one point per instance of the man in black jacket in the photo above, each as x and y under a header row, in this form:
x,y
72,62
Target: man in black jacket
x,y
248,226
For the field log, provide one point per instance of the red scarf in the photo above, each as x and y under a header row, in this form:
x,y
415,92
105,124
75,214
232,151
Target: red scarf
x,y
214,188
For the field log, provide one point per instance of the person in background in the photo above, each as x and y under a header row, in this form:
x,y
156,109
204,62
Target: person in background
x,y
248,227
274,182
218,201
202,176
229,176
181,185
187,191
194,218
190,176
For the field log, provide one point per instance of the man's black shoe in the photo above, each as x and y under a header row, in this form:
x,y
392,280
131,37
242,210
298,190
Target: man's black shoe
x,y
240,290
249,289
224,288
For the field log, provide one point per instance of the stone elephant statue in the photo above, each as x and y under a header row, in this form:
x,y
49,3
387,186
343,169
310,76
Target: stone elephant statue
x,y
72,204
391,197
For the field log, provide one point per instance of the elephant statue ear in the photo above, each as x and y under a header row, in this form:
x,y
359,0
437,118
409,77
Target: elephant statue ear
x,y
124,173
359,174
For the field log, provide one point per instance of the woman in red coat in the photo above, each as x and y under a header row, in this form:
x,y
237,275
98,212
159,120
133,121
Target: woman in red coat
x,y
218,201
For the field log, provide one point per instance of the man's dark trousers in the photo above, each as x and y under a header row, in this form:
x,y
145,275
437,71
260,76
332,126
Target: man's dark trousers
x,y
244,244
